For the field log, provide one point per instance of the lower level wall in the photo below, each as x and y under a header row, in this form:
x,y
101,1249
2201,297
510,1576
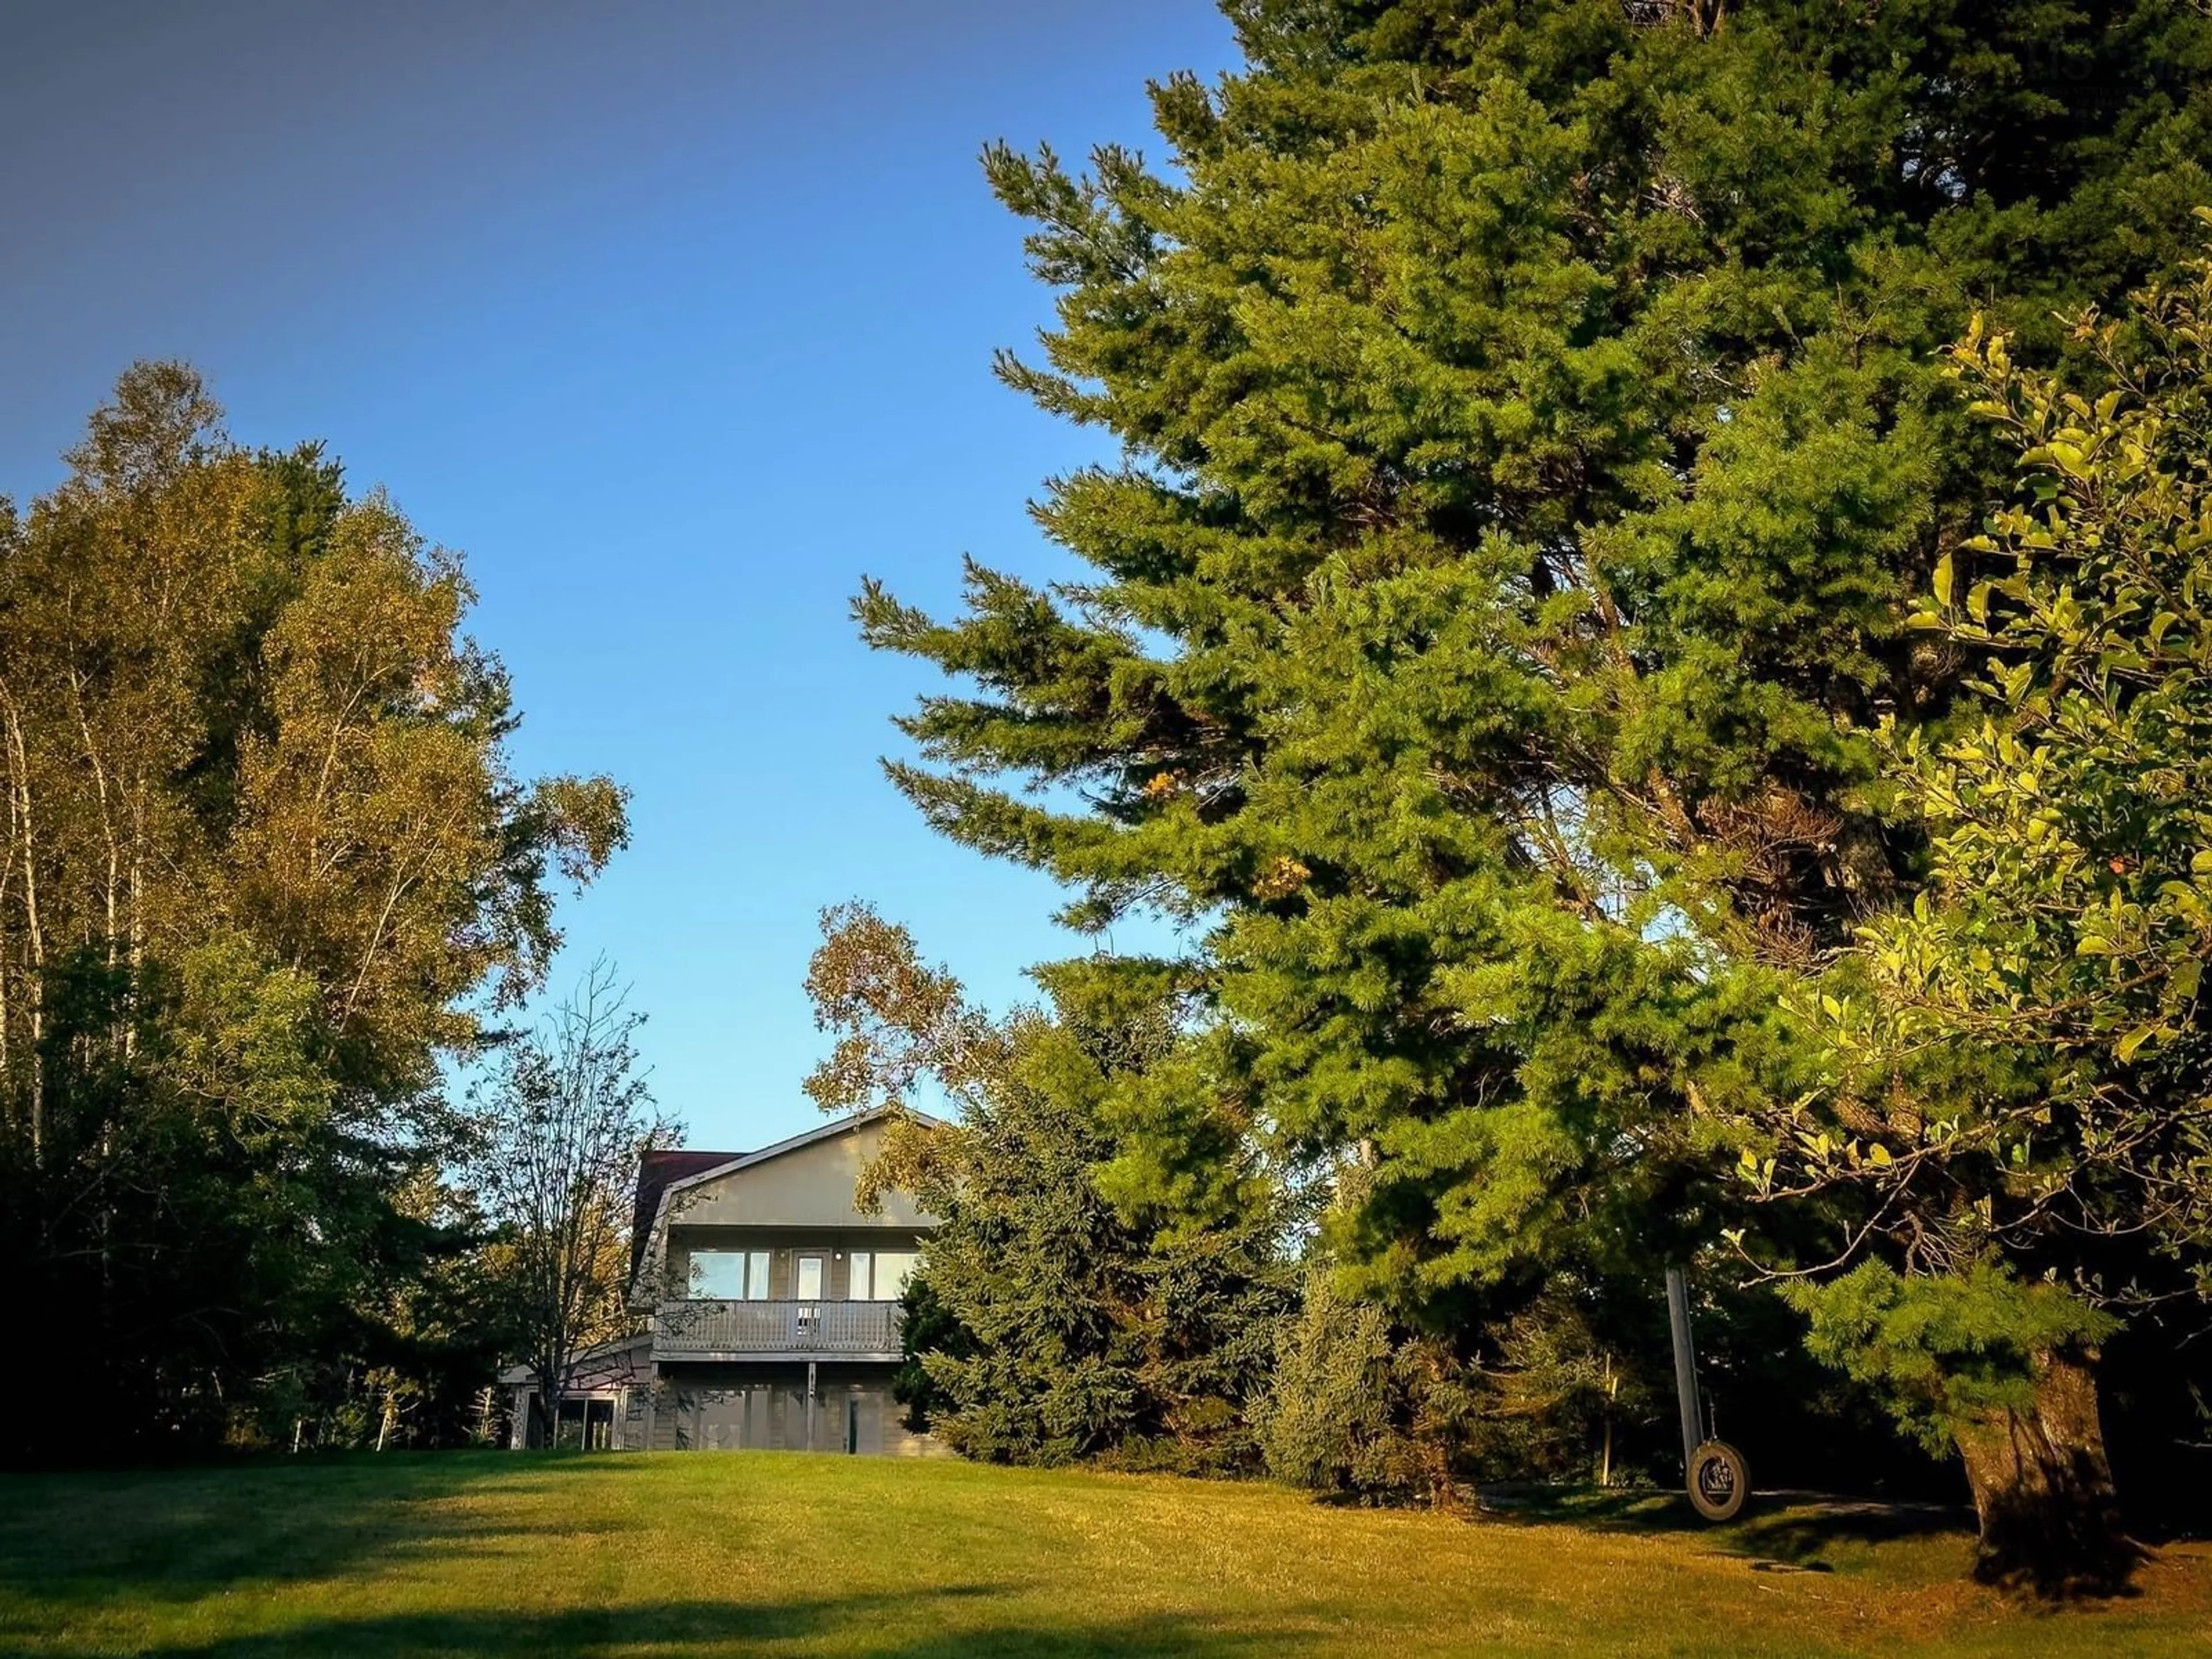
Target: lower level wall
x,y
765,1407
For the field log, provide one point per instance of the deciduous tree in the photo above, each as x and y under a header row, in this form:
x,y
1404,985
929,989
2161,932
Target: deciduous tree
x,y
263,863
562,1122
2020,1109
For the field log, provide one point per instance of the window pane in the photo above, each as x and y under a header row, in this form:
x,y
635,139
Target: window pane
x,y
717,1275
856,1282
756,1276
809,1278
893,1269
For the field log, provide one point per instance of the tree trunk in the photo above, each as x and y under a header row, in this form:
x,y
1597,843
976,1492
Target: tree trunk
x,y
2043,1488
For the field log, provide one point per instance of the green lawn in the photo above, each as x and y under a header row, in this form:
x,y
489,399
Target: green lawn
x,y
773,1554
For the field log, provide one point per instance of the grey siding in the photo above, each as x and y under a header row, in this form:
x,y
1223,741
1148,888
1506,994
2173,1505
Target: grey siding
x,y
763,1407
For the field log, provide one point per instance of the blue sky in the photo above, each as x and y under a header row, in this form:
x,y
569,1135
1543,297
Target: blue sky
x,y
675,318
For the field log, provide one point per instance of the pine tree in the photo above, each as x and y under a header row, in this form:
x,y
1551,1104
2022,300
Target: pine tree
x,y
1533,439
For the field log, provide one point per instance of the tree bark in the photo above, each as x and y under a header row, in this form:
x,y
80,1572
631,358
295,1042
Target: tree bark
x,y
2043,1488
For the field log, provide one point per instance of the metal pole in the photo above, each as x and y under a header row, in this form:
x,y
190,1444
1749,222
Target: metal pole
x,y
1686,1366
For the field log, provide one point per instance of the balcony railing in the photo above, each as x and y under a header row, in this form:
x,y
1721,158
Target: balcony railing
x,y
766,1328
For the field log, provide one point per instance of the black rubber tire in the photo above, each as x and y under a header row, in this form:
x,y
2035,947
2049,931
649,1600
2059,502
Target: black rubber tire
x,y
1720,1482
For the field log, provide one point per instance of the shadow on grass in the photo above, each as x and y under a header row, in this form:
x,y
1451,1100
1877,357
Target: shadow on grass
x,y
174,1535
863,1626
1778,1531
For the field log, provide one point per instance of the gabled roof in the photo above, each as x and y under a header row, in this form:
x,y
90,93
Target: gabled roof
x,y
662,1174
583,1362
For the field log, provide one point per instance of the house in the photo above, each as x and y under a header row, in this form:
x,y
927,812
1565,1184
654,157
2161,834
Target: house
x,y
771,1307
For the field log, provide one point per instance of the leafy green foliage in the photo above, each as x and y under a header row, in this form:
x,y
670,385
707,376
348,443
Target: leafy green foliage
x,y
2022,1050
1356,1410
2013,1131
1534,436
926,1325
1945,1351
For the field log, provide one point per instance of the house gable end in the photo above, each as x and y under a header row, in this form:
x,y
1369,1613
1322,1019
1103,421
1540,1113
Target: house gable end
x,y
804,1185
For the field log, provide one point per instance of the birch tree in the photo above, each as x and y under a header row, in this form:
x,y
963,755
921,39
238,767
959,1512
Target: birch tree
x,y
263,864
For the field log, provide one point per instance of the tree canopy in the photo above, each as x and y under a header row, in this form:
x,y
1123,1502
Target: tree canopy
x,y
2016,1116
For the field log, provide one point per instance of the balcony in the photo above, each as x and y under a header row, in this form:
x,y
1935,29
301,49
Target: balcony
x,y
756,1330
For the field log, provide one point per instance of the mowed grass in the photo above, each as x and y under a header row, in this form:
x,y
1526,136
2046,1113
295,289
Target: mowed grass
x,y
630,1556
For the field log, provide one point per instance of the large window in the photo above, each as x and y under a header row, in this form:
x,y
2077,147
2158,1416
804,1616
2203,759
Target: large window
x,y
729,1275
589,1424
880,1277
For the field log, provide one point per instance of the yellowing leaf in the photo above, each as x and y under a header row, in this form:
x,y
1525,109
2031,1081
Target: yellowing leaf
x,y
2133,1041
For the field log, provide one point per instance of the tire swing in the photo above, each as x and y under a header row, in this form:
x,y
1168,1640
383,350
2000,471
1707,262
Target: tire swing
x,y
1719,1481
1714,1472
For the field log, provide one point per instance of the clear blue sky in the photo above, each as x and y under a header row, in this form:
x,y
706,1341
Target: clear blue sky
x,y
675,318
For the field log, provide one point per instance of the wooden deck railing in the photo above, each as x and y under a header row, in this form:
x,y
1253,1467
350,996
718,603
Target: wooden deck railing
x,y
750,1328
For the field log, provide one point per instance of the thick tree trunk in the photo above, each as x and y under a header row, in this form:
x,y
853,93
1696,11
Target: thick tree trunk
x,y
2044,1490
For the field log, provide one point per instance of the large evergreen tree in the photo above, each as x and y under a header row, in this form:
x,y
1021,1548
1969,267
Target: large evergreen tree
x,y
1532,439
